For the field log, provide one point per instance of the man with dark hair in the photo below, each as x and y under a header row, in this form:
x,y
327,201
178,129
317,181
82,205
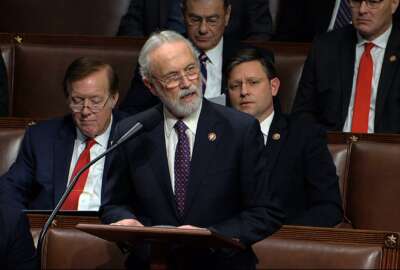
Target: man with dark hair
x,y
299,165
53,151
205,23
351,77
200,167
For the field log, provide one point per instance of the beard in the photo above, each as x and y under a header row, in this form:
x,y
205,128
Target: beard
x,y
177,106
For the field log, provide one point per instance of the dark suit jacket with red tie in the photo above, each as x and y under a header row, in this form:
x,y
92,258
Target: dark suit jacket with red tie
x,y
302,172
326,83
226,191
39,176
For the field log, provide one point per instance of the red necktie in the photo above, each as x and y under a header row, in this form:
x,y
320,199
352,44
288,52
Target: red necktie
x,y
362,98
71,203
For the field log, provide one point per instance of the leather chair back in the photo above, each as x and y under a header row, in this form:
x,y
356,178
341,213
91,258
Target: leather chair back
x,y
10,141
88,17
274,253
73,249
373,186
41,62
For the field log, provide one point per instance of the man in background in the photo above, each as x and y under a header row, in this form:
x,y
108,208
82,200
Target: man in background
x,y
299,165
351,78
52,152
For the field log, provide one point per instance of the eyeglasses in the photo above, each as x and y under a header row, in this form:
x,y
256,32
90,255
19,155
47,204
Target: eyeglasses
x,y
212,21
173,80
370,3
95,105
238,85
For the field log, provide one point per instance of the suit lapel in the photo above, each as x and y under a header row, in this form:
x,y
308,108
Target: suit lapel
x,y
157,156
389,67
63,148
276,139
347,59
203,151
116,118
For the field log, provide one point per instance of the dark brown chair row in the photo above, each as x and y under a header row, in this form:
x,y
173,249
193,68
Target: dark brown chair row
x,y
89,17
366,165
292,247
36,65
368,172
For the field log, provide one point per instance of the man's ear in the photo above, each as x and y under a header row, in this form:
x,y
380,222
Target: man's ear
x,y
115,99
150,86
275,84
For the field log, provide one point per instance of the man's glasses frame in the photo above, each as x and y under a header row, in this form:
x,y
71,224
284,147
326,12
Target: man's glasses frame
x,y
94,107
191,72
370,3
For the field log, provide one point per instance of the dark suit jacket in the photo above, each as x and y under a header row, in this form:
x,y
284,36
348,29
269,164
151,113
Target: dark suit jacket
x,y
3,89
16,244
249,19
139,98
226,189
302,20
325,85
302,172
39,176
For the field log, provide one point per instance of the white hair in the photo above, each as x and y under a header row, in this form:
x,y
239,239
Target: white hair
x,y
155,41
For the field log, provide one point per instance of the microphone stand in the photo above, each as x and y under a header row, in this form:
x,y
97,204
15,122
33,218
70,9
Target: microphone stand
x,y
138,126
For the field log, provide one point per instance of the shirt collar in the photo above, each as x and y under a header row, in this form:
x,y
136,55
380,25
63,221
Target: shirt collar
x,y
190,121
101,139
265,125
380,41
215,54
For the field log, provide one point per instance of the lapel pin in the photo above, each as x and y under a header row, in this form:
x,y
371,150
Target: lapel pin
x,y
276,136
212,136
393,58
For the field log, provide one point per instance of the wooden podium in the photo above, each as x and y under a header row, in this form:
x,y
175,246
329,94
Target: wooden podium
x,y
160,238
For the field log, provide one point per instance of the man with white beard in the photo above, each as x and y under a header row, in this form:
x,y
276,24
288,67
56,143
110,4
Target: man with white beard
x,y
200,167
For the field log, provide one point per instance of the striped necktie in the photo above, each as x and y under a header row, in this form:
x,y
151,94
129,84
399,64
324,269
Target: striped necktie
x,y
343,16
203,69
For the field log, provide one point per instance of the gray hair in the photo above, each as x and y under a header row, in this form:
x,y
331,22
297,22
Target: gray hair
x,y
155,41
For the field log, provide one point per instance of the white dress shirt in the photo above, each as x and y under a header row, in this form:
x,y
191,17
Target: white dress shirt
x,y
377,53
171,137
214,70
266,125
90,198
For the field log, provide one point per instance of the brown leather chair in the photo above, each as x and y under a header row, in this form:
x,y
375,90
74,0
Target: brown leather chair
x,y
10,140
374,186
73,249
89,17
41,61
276,253
339,152
291,247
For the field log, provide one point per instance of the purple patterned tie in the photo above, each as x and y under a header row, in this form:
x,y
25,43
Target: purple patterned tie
x,y
343,16
203,69
182,166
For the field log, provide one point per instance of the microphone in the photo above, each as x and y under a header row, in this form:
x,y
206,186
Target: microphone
x,y
146,121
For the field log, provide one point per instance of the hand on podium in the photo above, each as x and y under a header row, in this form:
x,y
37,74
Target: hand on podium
x,y
128,222
190,227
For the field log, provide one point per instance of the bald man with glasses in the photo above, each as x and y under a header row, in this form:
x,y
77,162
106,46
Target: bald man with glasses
x,y
53,151
351,78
